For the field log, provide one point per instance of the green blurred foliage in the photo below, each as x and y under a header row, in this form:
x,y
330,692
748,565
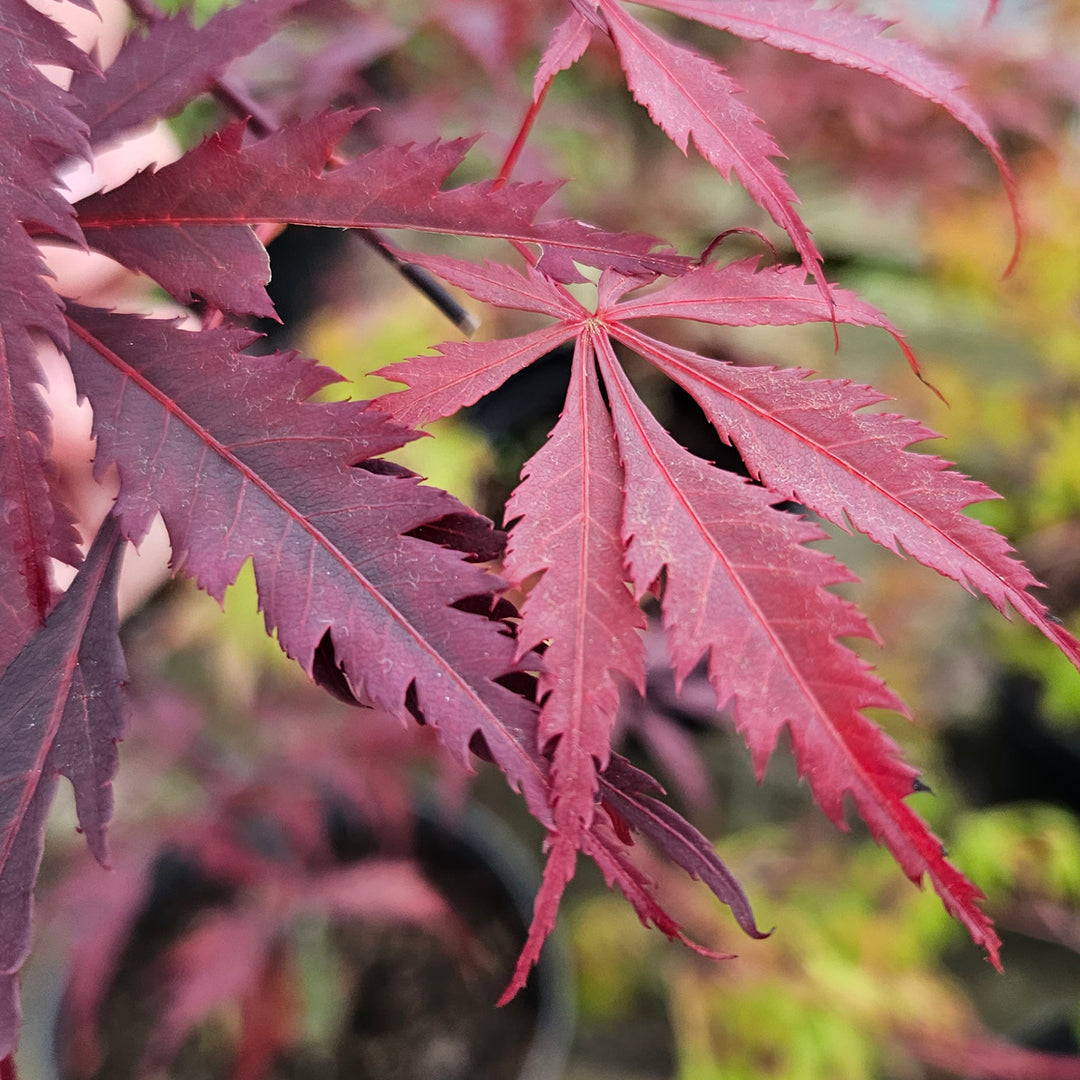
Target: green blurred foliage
x,y
852,982
1028,849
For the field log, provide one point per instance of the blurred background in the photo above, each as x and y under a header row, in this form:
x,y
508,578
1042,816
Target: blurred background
x,y
262,829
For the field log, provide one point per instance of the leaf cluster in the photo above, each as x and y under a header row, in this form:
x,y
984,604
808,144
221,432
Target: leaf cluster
x,y
381,588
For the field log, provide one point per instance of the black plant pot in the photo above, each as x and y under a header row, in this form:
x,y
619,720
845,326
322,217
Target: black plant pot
x,y
419,1012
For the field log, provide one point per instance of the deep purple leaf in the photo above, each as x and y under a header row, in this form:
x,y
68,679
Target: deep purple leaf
x,y
36,126
61,713
161,68
677,840
240,465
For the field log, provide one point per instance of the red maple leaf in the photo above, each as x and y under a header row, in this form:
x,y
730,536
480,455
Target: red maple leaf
x,y
735,578
369,579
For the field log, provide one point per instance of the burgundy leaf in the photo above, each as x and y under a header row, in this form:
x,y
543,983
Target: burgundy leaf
x,y
746,590
494,283
690,97
194,238
680,842
393,890
260,473
228,186
853,40
225,265
738,583
158,71
35,526
61,713
36,125
610,856
221,960
807,441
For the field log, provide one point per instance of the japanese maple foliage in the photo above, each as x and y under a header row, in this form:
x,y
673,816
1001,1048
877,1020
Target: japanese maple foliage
x,y
378,585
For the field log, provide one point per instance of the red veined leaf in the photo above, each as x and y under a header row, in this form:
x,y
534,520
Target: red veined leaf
x,y
610,855
200,209
494,283
746,590
569,508
261,473
808,441
462,373
37,125
690,97
739,294
851,39
61,713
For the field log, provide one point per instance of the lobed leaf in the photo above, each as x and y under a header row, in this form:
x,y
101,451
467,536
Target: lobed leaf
x,y
569,507
851,39
746,590
690,97
808,441
463,372
199,209
36,125
228,450
61,713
